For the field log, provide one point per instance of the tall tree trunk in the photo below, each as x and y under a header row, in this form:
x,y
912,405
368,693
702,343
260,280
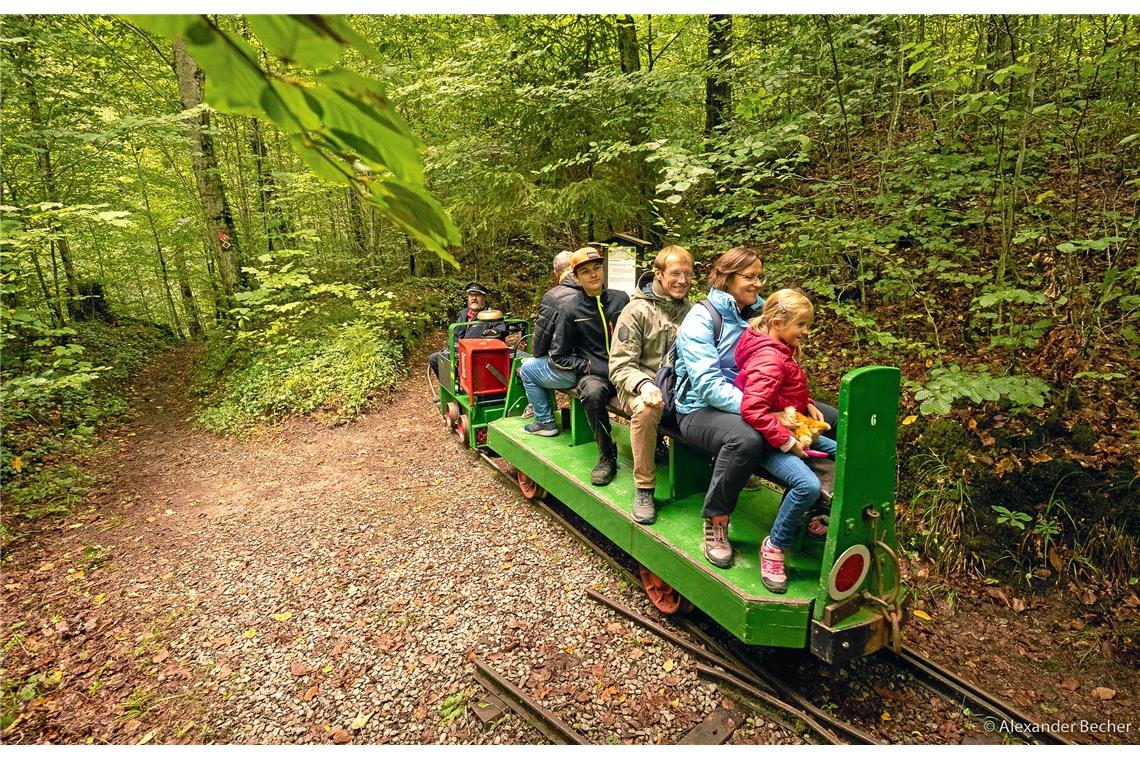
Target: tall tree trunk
x,y
838,85
356,226
718,86
277,228
175,321
189,307
44,165
223,239
630,56
627,44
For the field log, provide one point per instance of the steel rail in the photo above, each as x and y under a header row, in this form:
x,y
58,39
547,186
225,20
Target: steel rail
x,y
546,722
693,649
955,688
742,671
753,691
738,673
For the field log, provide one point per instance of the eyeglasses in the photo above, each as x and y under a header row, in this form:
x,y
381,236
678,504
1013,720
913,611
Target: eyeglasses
x,y
759,279
678,275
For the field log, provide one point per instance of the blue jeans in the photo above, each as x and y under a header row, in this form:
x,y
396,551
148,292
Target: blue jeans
x,y
803,490
538,376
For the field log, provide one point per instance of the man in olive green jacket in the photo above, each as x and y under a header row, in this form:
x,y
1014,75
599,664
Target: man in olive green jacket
x,y
644,331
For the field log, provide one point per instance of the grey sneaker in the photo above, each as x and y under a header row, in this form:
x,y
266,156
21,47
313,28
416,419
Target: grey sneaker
x,y
541,428
644,510
717,548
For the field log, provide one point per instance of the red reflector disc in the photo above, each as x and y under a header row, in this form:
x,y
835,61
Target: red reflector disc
x,y
849,573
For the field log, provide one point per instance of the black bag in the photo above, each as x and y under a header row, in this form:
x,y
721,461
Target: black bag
x,y
666,377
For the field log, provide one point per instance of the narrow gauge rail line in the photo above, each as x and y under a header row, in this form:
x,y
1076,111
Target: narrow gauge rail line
x,y
953,687
740,665
740,676
729,672
546,722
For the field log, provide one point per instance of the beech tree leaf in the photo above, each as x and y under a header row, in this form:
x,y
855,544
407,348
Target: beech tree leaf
x,y
296,39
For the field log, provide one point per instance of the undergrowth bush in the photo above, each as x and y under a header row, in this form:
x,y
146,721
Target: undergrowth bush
x,y
301,347
336,374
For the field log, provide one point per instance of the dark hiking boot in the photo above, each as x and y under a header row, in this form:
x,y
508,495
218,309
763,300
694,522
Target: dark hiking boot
x,y
605,470
717,548
644,511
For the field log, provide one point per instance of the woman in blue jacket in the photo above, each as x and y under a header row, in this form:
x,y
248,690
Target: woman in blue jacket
x,y
708,403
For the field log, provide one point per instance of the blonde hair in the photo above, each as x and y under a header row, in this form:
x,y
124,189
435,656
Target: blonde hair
x,y
663,255
783,306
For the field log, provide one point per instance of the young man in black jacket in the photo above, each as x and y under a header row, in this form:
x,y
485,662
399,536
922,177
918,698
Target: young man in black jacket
x,y
579,356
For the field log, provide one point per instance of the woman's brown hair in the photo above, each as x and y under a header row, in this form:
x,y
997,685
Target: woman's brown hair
x,y
732,261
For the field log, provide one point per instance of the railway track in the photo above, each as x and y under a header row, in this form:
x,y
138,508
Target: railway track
x,y
983,704
546,722
728,661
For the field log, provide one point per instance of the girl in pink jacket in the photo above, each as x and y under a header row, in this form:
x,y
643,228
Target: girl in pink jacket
x,y
771,380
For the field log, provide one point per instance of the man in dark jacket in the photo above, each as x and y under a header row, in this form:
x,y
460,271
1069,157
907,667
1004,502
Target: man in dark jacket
x,y
476,302
549,307
579,356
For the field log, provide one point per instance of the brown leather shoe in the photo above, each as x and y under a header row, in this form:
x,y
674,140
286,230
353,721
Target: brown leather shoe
x,y
717,548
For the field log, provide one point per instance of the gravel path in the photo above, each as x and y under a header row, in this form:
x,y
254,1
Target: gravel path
x,y
319,585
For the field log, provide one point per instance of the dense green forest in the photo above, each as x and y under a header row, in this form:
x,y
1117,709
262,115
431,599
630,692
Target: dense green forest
x,y
958,194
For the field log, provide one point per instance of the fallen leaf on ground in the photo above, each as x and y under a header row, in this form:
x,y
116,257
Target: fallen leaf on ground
x,y
1070,684
281,617
360,721
147,737
667,666
340,736
250,633
922,615
300,669
1103,692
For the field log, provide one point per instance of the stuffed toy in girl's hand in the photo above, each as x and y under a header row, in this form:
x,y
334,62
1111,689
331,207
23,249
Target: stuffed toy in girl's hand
x,y
804,428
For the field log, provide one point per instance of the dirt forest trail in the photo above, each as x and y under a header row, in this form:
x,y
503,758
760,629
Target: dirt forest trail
x,y
205,569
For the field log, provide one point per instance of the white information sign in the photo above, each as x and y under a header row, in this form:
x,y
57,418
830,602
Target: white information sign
x,y
621,268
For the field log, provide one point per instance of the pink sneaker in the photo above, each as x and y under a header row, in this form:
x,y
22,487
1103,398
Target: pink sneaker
x,y
772,568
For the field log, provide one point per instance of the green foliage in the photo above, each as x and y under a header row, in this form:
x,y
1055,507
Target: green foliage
x,y
304,346
950,384
336,374
341,123
59,385
1016,520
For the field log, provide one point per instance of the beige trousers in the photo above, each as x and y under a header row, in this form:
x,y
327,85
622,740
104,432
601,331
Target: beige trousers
x,y
643,422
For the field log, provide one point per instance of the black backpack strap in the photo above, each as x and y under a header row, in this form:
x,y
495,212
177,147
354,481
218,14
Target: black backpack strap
x,y
717,320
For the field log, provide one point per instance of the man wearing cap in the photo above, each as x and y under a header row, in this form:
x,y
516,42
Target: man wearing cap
x,y
579,357
476,302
